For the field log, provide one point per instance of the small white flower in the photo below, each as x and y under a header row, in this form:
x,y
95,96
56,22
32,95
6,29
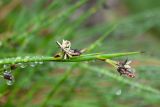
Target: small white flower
x,y
66,44
67,51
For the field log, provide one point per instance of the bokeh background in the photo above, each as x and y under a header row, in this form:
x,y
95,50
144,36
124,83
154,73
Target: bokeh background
x,y
31,27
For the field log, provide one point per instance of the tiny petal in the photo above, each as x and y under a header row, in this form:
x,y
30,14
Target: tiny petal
x,y
127,66
128,62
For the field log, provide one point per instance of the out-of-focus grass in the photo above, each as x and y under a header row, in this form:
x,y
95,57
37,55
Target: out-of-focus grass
x,y
33,28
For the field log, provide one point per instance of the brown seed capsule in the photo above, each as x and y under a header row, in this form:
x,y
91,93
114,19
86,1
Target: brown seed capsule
x,y
14,66
57,56
124,69
8,76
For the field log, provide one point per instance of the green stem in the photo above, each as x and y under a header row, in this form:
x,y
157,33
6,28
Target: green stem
x,y
85,57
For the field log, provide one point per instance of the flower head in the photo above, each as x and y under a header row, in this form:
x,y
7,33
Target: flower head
x,y
125,69
67,51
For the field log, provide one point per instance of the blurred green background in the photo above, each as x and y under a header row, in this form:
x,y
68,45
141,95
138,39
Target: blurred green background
x,y
31,27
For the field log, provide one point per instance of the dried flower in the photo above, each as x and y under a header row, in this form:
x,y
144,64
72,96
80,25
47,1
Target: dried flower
x,y
125,69
67,51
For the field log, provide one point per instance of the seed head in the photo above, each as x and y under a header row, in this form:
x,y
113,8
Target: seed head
x,y
125,69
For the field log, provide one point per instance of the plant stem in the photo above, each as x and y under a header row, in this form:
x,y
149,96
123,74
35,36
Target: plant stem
x,y
85,57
